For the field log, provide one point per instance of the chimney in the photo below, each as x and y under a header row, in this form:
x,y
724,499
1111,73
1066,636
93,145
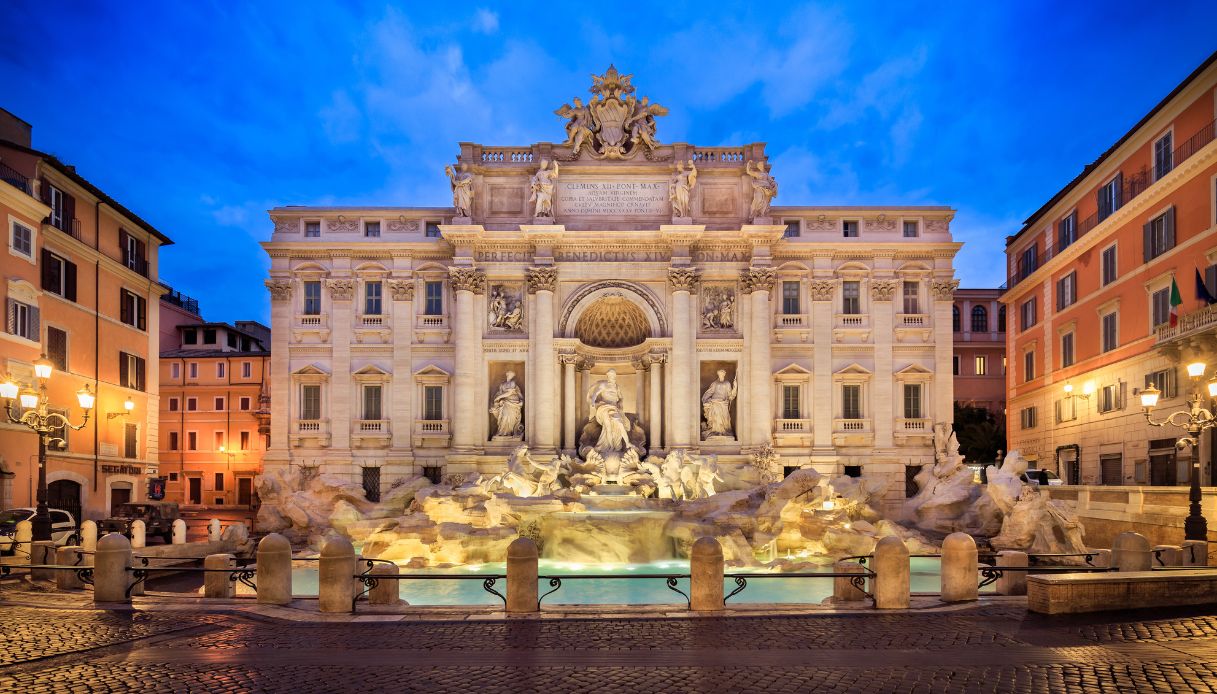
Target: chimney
x,y
15,130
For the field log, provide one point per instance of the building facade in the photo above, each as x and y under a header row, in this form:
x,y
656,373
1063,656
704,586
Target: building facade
x,y
406,339
1093,321
79,277
214,407
978,320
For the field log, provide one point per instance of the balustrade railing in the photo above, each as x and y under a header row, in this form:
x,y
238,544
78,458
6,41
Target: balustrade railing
x,y
507,155
15,178
719,155
793,425
1188,323
791,320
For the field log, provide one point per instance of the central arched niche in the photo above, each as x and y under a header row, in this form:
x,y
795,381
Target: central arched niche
x,y
612,322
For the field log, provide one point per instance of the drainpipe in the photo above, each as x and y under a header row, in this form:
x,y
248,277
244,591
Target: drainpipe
x,y
97,341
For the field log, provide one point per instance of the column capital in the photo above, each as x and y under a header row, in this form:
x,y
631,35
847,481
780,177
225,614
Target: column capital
x,y
821,290
757,279
403,290
568,358
468,279
883,290
944,290
684,279
280,290
341,289
542,278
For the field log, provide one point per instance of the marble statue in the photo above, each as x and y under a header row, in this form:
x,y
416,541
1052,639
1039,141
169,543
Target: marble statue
x,y
946,489
764,188
682,186
604,400
1037,525
543,190
716,406
504,309
615,124
507,406
707,475
578,128
718,309
462,189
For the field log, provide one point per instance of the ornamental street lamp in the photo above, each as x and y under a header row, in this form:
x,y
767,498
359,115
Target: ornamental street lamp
x,y
1195,420
38,417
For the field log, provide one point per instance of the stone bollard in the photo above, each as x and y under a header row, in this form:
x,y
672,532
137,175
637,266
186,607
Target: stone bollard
x,y
179,532
139,534
24,542
213,530
385,592
1167,555
88,535
706,575
522,576
1130,552
218,584
274,570
42,553
1102,557
68,580
842,589
959,568
335,587
1195,553
892,574
111,569
1012,582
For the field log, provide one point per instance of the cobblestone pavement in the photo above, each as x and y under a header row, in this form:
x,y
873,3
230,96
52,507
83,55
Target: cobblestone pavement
x,y
988,648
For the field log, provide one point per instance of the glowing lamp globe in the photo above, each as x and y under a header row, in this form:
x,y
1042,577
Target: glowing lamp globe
x,y
1149,397
9,390
43,368
85,397
1196,369
29,400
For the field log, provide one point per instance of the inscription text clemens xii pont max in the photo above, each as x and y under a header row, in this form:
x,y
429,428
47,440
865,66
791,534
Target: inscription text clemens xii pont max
x,y
613,198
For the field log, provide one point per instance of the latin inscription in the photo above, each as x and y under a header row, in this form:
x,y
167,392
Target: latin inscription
x,y
613,198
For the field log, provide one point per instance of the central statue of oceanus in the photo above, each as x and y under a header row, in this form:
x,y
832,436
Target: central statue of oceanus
x,y
611,438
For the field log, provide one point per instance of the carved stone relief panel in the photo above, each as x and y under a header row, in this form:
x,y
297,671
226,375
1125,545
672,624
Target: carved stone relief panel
x,y
505,307
718,311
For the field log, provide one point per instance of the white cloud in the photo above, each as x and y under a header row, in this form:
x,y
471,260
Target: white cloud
x,y
485,21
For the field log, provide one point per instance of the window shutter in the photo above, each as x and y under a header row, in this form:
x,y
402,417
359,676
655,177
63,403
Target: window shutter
x,y
123,373
69,213
141,251
122,244
1147,240
139,373
47,259
141,307
44,191
124,308
12,317
35,327
70,280
1170,229
1119,191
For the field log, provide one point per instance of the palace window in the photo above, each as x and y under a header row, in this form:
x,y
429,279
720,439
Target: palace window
x,y
910,229
1164,156
1109,324
372,292
431,230
790,401
792,229
433,403
1111,397
982,365
219,404
247,369
219,482
1028,315
851,401
174,404
245,439
192,404
23,320
173,443
1026,417
433,298
310,401
911,297
1001,319
955,362
21,240
371,401
371,483
790,298
1110,197
133,309
1159,234
1164,380
851,297
58,275
130,440
1160,307
193,368
955,319
1066,231
221,369
190,336
1067,291
312,229
980,319
57,347
1029,366
312,298
209,336
1029,262
175,370
192,440
912,401
1067,349
245,402
1108,265
218,441
849,229
371,229
130,371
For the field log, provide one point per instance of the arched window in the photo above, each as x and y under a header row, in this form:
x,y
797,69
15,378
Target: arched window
x,y
980,319
1001,319
955,318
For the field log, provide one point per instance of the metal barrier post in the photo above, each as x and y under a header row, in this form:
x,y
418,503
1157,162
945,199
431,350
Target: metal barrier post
x,y
843,589
88,535
213,530
385,592
139,534
23,541
67,580
42,553
179,532
1195,553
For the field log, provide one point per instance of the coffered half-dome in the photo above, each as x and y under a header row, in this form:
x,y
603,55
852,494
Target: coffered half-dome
x,y
613,321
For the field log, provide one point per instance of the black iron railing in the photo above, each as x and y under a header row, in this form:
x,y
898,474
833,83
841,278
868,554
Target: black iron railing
x,y
243,574
370,581
14,178
856,579
84,573
672,581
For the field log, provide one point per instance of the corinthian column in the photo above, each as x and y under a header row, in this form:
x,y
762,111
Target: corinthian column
x,y
280,387
943,291
684,281
757,282
655,411
467,282
542,281
568,401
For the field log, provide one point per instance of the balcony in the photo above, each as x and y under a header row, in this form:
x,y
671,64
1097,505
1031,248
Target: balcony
x,y
433,322
792,432
370,433
372,321
312,321
852,432
71,227
132,262
1133,185
311,433
852,320
912,320
791,320
431,433
372,329
1193,323
913,327
851,327
15,178
907,429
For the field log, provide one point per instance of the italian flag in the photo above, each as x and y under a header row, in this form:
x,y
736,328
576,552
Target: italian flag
x,y
1176,302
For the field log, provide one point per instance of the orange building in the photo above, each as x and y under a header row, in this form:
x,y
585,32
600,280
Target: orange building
x,y
1090,277
978,320
215,406
79,273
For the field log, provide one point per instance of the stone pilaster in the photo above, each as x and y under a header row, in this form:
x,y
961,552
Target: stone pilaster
x,y
655,410
943,293
542,281
340,414
569,435
883,401
467,282
280,385
402,398
823,312
757,282
684,281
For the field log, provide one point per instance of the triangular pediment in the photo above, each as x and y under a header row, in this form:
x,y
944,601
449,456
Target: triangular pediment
x,y
431,370
372,370
854,369
914,370
792,370
311,370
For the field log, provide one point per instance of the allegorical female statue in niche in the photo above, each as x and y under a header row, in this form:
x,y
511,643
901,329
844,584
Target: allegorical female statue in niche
x,y
716,406
507,406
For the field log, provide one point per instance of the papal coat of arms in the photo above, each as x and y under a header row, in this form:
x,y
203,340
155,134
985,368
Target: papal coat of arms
x,y
615,124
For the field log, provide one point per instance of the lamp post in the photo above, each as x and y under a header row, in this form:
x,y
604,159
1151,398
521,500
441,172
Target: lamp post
x,y
38,417
1195,420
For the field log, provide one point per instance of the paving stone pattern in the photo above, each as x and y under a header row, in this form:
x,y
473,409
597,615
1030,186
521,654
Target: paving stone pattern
x,y
996,648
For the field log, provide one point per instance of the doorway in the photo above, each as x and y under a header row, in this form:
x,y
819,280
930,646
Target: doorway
x,y
120,493
195,495
65,495
245,491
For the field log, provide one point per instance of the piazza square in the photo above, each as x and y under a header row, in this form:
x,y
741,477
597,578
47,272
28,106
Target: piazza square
x,y
609,411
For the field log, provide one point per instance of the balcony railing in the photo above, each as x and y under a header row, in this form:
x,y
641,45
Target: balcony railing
x,y
432,321
372,426
851,425
793,426
1134,185
371,321
791,320
1196,321
912,320
913,425
308,426
14,178
431,426
851,320
312,321
71,227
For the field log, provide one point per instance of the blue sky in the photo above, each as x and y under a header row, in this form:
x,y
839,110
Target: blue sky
x,y
201,115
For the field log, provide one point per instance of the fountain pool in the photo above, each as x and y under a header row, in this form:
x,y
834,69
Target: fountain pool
x,y
925,579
